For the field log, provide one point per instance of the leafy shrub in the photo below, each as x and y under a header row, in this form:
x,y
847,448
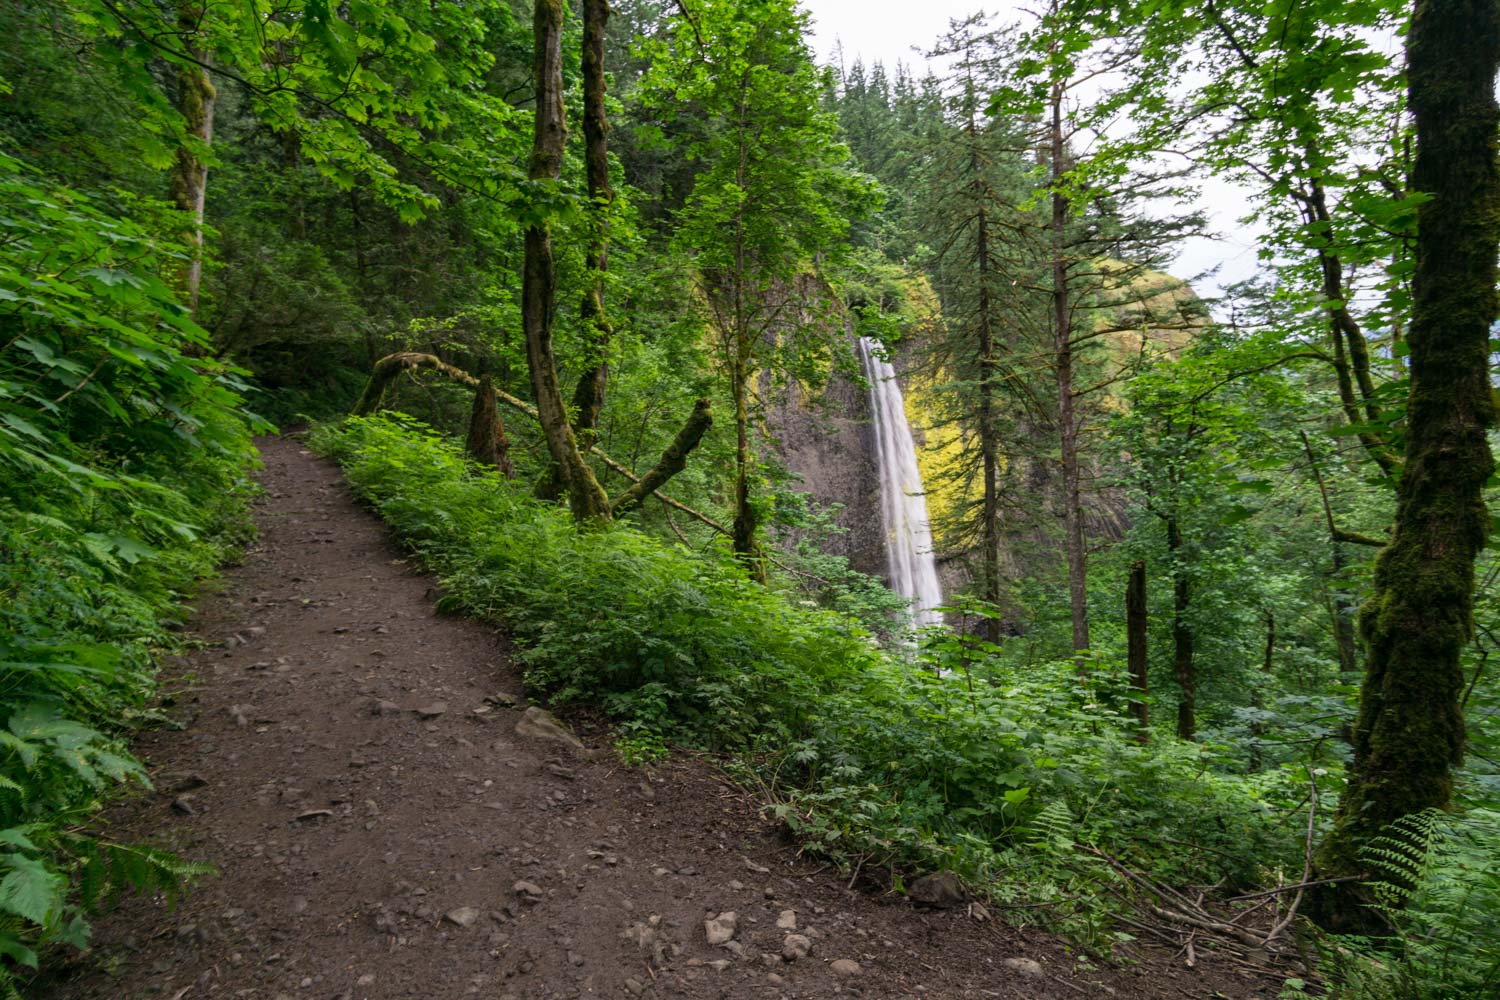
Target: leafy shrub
x,y
122,479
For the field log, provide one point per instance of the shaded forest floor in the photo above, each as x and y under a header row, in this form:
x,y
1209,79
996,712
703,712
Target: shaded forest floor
x,y
350,763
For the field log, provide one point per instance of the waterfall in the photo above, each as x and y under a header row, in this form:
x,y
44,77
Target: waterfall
x,y
903,503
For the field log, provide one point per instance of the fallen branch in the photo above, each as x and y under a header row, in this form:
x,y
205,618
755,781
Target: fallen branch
x,y
1307,861
1297,885
672,460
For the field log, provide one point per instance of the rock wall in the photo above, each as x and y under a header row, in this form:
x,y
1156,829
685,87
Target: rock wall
x,y
828,443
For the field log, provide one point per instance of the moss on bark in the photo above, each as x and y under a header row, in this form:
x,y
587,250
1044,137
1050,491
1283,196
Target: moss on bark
x,y
1410,731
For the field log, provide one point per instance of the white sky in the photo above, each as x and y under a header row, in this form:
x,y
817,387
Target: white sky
x,y
892,31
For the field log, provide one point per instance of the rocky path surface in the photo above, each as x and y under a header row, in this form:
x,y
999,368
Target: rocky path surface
x,y
387,820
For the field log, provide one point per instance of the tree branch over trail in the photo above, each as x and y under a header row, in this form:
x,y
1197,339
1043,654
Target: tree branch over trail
x,y
672,461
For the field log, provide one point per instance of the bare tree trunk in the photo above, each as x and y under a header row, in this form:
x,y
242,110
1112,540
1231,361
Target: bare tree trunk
x,y
1182,636
189,177
487,443
538,280
1410,731
588,397
988,436
1062,336
1136,646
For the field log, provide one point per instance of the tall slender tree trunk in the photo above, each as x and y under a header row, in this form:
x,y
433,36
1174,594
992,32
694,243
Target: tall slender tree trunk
x,y
1182,636
1343,616
1136,648
1062,335
538,280
742,349
1340,608
588,397
989,445
189,178
1410,731
745,545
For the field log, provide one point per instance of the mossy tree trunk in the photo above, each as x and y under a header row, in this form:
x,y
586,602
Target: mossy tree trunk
x,y
746,518
1410,732
588,397
672,460
189,176
586,498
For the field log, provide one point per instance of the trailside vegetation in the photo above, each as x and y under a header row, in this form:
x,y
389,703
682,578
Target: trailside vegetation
x,y
124,462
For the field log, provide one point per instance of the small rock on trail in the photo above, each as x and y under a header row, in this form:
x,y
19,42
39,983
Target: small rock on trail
x,y
940,889
541,724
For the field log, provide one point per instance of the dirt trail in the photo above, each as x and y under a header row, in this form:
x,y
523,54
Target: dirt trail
x,y
352,768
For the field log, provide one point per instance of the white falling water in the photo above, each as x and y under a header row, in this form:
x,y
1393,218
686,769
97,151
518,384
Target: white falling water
x,y
903,503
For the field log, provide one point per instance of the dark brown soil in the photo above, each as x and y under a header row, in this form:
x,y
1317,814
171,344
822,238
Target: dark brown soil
x,y
372,818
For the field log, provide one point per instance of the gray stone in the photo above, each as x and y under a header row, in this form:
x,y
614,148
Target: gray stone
x,y
846,967
542,725
463,916
940,889
434,710
795,946
720,930
1028,967
787,921
529,891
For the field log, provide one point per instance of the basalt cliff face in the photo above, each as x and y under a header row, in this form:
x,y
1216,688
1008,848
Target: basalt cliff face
x,y
827,440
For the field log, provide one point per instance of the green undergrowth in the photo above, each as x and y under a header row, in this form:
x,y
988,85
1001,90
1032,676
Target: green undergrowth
x,y
123,479
1437,884
897,762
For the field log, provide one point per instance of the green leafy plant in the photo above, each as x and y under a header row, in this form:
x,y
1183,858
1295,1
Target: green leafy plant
x,y
123,459
1438,885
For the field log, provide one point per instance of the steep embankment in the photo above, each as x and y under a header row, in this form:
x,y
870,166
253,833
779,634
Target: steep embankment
x,y
385,825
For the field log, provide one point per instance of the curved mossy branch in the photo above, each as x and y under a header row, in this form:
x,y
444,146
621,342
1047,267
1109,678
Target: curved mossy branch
x,y
388,367
672,460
